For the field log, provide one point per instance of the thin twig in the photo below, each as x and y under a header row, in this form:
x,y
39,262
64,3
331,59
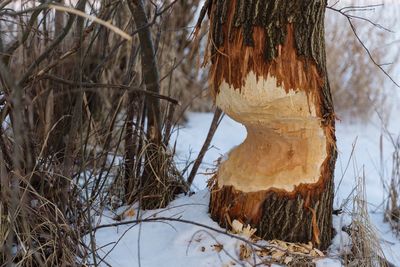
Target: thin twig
x,y
213,128
349,19
116,86
49,49
93,18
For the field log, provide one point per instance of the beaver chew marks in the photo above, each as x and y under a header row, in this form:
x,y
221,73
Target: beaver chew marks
x,y
285,145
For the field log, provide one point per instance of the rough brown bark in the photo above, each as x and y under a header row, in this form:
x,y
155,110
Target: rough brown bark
x,y
283,39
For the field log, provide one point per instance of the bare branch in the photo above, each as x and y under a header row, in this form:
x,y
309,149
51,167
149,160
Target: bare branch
x,y
117,86
349,18
213,128
149,68
52,46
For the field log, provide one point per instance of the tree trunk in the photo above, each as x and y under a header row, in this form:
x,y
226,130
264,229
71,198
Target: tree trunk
x,y
268,72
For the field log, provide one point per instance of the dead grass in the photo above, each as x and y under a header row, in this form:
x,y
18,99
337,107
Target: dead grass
x,y
366,249
392,211
158,193
72,101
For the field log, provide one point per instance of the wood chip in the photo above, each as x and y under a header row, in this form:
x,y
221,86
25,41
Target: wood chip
x,y
245,252
218,247
288,260
129,213
277,255
237,227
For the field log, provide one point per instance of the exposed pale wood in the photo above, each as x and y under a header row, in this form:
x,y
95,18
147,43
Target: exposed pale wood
x,y
285,144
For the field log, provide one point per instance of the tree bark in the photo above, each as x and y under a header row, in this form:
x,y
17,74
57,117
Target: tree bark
x,y
268,72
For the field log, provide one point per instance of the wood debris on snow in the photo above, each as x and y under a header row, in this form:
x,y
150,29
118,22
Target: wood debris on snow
x,y
276,251
218,247
290,253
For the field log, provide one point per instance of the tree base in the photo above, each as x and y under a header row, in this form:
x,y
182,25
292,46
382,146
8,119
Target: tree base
x,y
298,216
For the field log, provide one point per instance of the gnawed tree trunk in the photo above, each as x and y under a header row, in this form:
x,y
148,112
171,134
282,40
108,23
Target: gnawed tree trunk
x,y
268,72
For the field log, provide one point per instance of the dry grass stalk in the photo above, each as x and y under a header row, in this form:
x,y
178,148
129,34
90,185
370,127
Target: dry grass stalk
x,y
392,212
366,248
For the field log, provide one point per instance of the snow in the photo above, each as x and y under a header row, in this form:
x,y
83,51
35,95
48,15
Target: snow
x,y
192,136
171,243
166,243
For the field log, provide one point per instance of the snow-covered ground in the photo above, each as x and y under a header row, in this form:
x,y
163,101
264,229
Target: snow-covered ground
x,y
171,243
